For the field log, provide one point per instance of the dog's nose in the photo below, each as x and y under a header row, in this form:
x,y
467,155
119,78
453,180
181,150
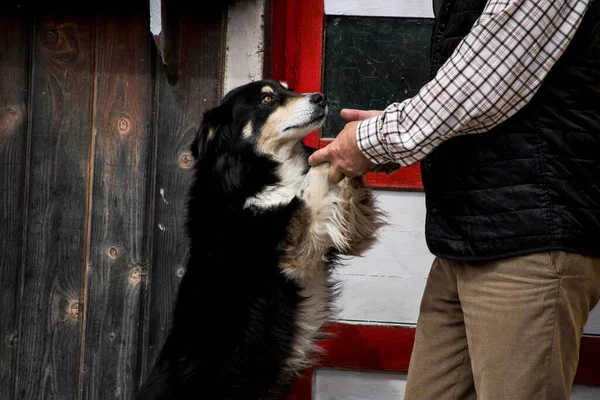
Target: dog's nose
x,y
318,98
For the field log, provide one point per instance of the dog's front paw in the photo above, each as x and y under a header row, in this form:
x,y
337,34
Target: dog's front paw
x,y
315,187
363,217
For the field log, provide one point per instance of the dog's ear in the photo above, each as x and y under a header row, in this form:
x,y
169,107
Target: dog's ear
x,y
212,120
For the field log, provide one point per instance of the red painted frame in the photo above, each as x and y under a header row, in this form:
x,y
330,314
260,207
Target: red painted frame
x,y
388,348
297,58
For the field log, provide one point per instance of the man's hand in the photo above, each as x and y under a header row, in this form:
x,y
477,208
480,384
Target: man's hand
x,y
343,153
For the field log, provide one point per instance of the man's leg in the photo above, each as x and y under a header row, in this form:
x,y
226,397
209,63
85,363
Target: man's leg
x,y
440,367
524,318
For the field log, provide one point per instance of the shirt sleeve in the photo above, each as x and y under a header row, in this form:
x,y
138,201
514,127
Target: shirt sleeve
x,y
494,71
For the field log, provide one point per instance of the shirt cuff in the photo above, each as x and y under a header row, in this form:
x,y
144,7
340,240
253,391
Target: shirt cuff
x,y
370,142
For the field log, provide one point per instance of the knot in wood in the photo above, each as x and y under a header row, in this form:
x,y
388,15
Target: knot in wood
x,y
49,37
11,119
124,125
135,275
180,272
113,252
13,339
74,309
186,160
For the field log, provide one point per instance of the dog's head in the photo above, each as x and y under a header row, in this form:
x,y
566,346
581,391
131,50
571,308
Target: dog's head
x,y
266,114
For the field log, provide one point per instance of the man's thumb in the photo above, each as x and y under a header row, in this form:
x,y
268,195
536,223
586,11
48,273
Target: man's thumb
x,y
351,114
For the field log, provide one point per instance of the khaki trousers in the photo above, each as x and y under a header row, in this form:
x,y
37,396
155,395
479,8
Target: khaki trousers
x,y
504,330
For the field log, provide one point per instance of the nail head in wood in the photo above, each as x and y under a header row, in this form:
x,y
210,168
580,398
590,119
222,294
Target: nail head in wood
x,y
124,125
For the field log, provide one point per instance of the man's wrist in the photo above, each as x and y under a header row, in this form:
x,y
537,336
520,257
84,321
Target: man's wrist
x,y
369,142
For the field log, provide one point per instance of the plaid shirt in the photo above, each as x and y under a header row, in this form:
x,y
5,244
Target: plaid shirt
x,y
494,71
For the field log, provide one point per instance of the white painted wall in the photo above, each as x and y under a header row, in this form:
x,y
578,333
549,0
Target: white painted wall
x,y
386,284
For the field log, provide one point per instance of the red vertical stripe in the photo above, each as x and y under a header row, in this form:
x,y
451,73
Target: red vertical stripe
x,y
298,47
388,348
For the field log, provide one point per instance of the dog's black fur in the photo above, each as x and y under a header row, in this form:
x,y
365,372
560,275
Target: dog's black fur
x,y
234,322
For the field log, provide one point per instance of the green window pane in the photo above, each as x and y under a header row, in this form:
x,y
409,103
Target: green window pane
x,y
370,62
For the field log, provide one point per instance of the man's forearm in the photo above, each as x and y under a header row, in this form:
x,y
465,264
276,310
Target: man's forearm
x,y
493,73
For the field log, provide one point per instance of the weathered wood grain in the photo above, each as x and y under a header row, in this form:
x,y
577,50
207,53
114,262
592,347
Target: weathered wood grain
x,y
200,35
14,84
49,343
118,252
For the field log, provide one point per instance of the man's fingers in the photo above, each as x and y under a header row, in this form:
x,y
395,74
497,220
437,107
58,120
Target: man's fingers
x,y
351,114
319,157
335,175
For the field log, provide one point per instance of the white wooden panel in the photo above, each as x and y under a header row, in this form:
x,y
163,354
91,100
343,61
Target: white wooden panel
x,y
581,392
331,384
395,300
386,284
593,325
245,41
381,8
401,250
379,299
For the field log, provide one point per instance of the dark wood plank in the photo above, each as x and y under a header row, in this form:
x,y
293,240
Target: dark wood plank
x,y
14,83
118,251
49,344
201,37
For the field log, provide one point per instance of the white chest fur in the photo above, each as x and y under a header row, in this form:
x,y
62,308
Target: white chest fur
x,y
291,175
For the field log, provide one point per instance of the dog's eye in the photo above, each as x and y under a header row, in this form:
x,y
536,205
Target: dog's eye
x,y
267,99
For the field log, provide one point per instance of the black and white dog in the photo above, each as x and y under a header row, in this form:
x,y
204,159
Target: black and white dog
x,y
266,230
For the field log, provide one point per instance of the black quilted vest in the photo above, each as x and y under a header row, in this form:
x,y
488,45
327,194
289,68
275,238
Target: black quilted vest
x,y
532,183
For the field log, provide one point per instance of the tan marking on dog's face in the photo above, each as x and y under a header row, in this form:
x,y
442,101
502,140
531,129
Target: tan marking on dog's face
x,y
289,123
270,138
284,84
267,89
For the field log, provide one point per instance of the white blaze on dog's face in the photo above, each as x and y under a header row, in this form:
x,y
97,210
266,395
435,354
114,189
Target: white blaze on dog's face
x,y
283,116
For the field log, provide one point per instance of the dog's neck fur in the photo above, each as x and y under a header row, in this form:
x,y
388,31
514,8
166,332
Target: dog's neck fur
x,y
291,171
